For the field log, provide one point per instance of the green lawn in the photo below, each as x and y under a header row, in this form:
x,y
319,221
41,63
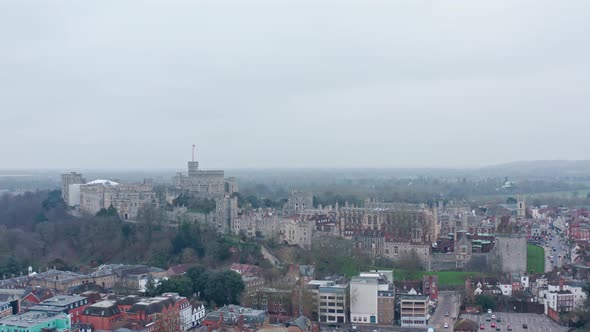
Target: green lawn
x,y
535,259
445,278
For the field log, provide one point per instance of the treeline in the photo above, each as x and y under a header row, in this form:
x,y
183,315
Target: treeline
x,y
217,288
195,204
36,230
419,189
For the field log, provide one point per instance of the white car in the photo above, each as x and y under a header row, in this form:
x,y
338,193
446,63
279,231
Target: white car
x,y
489,311
446,326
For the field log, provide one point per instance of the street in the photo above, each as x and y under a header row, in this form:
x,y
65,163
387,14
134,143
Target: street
x,y
448,301
559,254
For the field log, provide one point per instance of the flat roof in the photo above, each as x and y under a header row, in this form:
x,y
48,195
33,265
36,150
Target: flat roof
x,y
364,280
63,300
30,319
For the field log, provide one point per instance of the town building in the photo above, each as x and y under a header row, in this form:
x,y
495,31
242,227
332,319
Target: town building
x,y
233,315
276,302
372,298
332,304
71,305
5,309
102,315
414,310
34,321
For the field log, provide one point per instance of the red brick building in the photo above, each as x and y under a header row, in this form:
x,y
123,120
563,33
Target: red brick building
x,y
102,315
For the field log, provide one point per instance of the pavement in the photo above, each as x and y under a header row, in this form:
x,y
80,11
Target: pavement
x,y
535,322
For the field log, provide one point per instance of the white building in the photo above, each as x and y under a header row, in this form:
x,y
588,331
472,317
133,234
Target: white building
x,y
332,304
198,314
363,300
575,288
414,310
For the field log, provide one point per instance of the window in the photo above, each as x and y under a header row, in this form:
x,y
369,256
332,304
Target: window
x,y
395,250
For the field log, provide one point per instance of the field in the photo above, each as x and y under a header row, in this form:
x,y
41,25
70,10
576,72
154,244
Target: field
x,y
445,278
535,259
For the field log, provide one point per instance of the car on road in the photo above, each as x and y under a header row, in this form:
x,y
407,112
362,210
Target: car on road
x,y
509,327
482,327
493,324
446,314
446,326
524,326
498,319
488,319
494,317
489,311
498,328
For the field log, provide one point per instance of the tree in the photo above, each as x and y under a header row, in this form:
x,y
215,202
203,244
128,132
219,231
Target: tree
x,y
486,302
584,310
110,212
181,285
199,278
224,288
150,287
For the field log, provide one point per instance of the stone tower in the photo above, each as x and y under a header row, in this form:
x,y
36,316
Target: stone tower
x,y
520,207
510,251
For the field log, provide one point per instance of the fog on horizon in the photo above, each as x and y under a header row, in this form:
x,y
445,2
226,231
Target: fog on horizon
x,y
295,84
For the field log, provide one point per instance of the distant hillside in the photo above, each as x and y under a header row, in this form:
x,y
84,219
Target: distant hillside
x,y
541,168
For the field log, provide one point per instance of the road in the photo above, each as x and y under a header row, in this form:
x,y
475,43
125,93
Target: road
x,y
447,301
559,254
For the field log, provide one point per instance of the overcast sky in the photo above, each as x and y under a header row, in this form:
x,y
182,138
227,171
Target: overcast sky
x,y
133,84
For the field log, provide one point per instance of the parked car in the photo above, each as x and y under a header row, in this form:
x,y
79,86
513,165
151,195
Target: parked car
x,y
498,328
489,311
446,326
498,319
488,319
494,317
493,324
482,327
509,327
524,326
446,314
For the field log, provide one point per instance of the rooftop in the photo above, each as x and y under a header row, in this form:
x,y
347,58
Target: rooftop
x,y
63,300
30,319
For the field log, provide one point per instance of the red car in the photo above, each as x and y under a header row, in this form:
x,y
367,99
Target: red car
x,y
493,324
482,327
